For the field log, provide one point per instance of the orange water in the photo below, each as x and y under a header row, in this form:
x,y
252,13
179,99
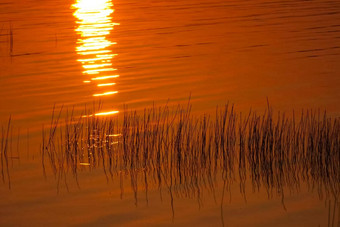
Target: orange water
x,y
138,53
217,51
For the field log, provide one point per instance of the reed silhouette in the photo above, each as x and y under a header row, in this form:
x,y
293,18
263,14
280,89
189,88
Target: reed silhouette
x,y
169,148
5,136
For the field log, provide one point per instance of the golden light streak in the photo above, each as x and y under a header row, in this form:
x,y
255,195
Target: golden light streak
x,y
94,44
106,93
94,25
114,135
96,66
105,77
102,113
99,57
94,52
107,113
84,164
104,85
97,71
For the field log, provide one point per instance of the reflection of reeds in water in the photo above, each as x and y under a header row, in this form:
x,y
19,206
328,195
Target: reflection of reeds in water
x,y
4,153
168,147
10,146
11,39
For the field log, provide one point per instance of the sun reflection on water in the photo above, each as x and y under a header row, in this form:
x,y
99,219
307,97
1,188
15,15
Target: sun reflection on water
x,y
94,48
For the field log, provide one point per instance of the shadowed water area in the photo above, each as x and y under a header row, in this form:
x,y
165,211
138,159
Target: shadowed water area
x,y
78,146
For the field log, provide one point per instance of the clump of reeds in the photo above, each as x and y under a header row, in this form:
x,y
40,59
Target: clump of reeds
x,y
169,147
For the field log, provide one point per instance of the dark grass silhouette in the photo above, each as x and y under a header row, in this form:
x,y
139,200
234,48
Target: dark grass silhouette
x,y
170,148
5,147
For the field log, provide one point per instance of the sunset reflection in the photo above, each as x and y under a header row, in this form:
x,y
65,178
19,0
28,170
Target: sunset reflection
x,y
94,47
102,114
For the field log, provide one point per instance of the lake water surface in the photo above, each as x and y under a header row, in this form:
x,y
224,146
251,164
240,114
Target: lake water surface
x,y
145,53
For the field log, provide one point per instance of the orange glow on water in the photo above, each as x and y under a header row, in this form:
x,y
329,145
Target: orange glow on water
x,y
105,77
105,85
96,66
102,113
94,25
84,164
114,135
106,93
107,113
97,71
102,57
